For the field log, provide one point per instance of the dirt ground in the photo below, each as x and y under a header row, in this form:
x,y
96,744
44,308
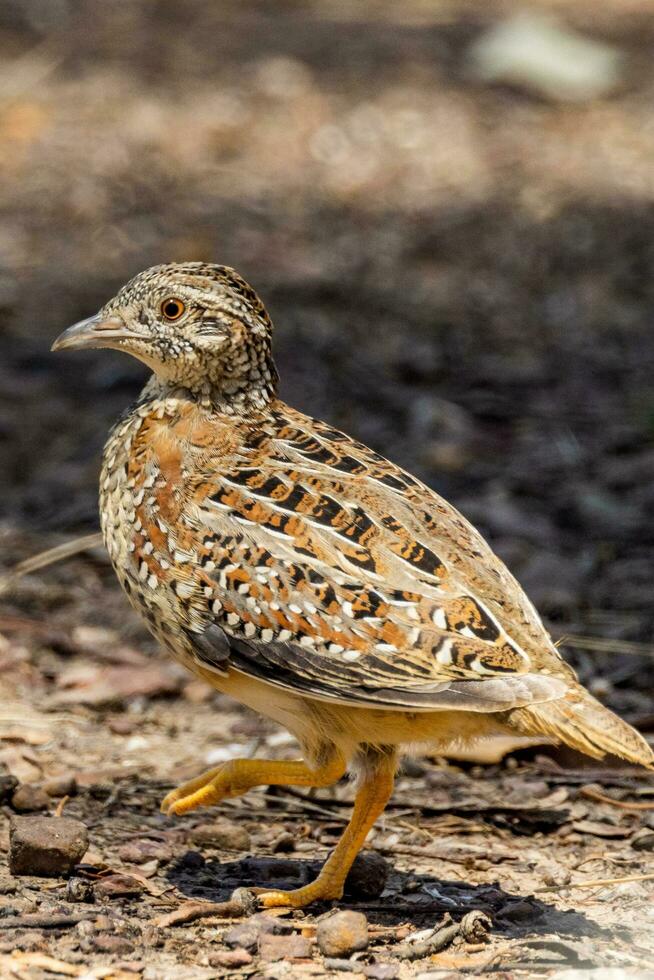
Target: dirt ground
x,y
461,275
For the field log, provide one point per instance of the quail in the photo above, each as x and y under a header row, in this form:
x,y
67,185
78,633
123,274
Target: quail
x,y
303,574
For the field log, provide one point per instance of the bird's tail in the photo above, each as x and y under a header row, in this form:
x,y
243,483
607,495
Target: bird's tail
x,y
584,724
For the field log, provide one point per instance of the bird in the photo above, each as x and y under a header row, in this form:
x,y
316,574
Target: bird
x,y
303,574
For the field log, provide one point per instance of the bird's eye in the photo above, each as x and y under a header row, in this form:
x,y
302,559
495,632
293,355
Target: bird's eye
x,y
172,308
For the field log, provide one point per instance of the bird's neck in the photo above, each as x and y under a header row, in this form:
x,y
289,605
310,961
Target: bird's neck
x,y
238,398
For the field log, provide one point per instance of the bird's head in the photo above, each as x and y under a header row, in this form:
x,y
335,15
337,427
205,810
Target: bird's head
x,y
197,326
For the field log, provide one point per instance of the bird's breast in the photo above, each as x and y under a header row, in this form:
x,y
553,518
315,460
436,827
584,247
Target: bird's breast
x,y
149,484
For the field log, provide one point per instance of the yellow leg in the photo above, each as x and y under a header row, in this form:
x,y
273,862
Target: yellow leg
x,y
239,775
371,799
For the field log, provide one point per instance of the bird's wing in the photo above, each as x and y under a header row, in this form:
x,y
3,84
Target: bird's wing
x,y
328,570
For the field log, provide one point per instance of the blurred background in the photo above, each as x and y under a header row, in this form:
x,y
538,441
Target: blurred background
x,y
448,209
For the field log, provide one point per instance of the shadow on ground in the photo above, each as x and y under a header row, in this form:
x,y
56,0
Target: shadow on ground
x,y
426,896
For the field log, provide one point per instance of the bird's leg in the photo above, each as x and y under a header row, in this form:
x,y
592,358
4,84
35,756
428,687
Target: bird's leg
x,y
237,776
373,794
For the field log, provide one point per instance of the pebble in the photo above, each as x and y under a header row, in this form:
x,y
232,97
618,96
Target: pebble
x,y
121,725
273,947
520,911
247,935
8,785
284,844
103,923
118,945
230,958
29,799
243,936
46,846
342,934
223,834
60,786
79,890
118,886
644,841
367,876
382,971
191,861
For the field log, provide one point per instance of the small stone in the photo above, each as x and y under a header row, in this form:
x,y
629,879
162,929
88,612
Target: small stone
x,y
8,784
382,971
46,846
79,890
643,841
60,786
29,799
339,966
342,934
104,943
118,886
270,924
273,948
367,876
520,911
243,936
191,861
223,834
121,725
284,844
230,958
248,934
100,791
8,885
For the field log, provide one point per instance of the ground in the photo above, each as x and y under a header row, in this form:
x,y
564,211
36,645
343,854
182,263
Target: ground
x,y
461,275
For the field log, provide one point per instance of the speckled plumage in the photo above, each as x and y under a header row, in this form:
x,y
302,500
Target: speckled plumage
x,y
298,570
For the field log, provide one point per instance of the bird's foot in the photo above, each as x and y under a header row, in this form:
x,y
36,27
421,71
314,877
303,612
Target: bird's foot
x,y
323,889
201,791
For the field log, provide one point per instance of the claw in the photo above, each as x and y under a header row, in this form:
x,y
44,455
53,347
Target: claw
x,y
168,801
200,791
316,891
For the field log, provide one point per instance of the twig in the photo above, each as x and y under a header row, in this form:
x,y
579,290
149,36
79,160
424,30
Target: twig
x,y
595,883
594,794
49,557
41,920
445,853
191,911
304,804
474,926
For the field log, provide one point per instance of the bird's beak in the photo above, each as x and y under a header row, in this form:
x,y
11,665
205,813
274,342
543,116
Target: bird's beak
x,y
95,331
